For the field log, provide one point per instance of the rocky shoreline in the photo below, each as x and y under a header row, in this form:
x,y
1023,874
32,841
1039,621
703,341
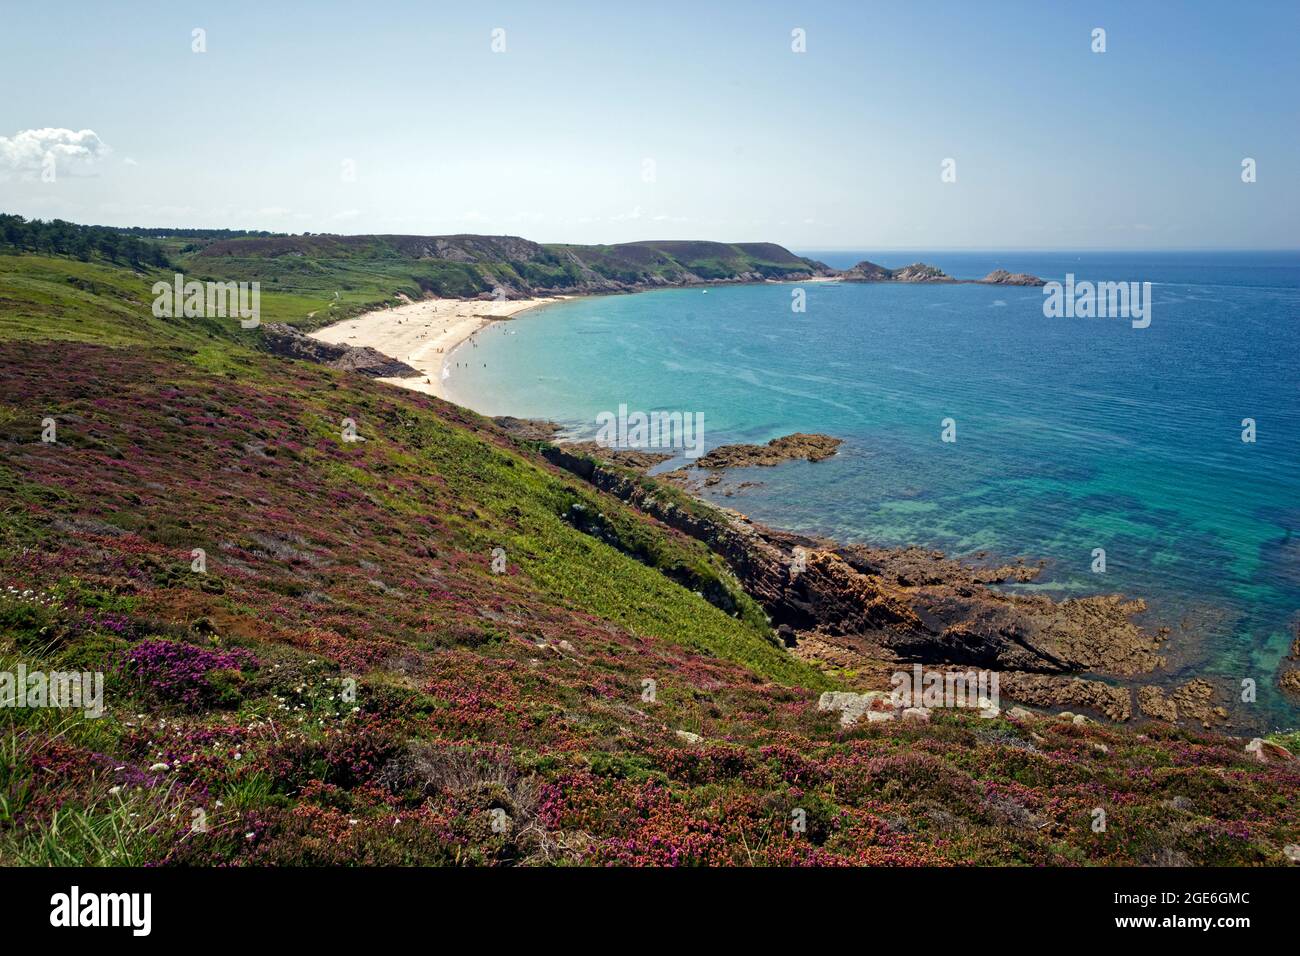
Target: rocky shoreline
x,y
863,612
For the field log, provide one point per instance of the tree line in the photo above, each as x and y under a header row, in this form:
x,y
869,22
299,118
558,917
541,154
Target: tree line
x,y
61,238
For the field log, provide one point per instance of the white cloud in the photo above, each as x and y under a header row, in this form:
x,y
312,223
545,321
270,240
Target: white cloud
x,y
74,152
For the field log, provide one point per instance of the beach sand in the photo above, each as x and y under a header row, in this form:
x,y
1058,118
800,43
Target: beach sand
x,y
423,334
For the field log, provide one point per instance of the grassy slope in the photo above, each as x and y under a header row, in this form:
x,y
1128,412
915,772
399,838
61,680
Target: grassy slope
x,y
523,693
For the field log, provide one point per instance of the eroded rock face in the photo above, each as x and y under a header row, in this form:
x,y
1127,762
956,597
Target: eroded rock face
x,y
288,342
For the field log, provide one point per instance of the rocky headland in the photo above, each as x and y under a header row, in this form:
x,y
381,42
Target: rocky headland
x,y
867,611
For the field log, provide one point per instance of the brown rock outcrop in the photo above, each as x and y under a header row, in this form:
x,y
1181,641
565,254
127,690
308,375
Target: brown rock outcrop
x,y
1290,681
288,342
798,445
1003,277
1047,691
527,429
1193,700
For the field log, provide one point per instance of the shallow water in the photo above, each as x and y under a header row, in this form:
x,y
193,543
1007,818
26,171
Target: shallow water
x,y
1072,434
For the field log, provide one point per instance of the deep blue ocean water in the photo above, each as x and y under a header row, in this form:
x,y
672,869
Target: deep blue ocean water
x,y
1072,434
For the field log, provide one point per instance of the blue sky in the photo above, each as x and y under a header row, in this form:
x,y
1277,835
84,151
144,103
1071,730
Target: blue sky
x,y
1055,146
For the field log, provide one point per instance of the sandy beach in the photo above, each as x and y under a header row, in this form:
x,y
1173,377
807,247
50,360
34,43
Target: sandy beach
x,y
423,334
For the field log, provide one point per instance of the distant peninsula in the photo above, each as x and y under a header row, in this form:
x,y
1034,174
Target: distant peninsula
x,y
510,267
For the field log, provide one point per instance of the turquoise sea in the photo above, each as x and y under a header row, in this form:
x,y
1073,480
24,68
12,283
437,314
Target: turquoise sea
x,y
1072,434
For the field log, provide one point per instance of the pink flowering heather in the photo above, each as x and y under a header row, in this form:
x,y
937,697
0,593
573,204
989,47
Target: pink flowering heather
x,y
179,672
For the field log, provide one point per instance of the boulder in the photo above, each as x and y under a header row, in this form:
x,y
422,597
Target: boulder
x,y
852,706
1265,751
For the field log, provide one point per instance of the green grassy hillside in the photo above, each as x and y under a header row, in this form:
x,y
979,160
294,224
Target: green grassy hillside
x,y
365,270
